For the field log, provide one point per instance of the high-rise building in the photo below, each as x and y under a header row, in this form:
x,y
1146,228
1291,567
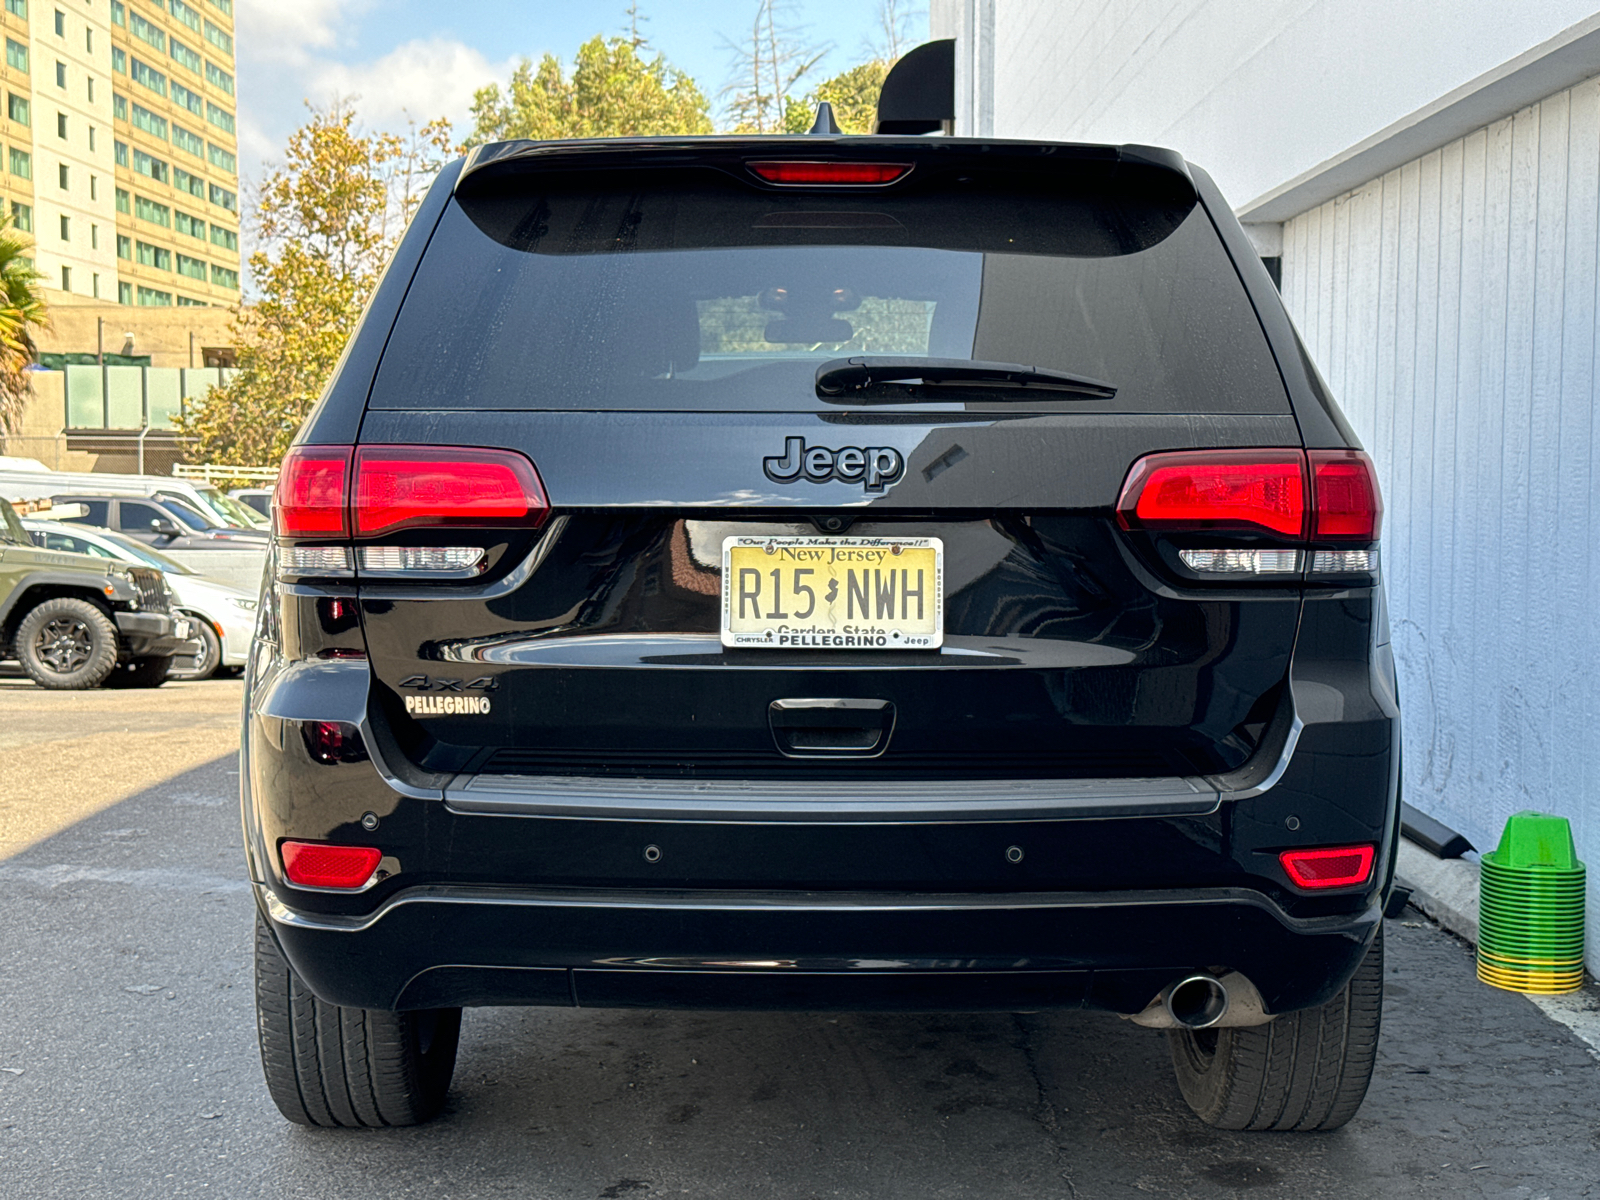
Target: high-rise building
x,y
120,147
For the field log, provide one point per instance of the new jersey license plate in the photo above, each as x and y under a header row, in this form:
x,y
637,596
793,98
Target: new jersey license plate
x,y
830,593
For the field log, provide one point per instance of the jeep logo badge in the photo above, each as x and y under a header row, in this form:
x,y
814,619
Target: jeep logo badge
x,y
874,466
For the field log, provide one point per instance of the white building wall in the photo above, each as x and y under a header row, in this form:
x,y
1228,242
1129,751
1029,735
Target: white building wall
x,y
1452,306
1255,91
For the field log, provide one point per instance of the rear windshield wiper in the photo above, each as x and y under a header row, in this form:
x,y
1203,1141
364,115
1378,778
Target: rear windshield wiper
x,y
871,380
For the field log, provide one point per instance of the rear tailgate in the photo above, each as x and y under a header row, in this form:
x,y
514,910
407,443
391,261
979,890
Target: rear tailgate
x,y
648,339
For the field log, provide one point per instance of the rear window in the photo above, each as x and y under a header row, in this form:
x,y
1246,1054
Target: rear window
x,y
691,290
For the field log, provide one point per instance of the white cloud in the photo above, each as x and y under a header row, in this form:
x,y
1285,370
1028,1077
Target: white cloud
x,y
286,29
423,79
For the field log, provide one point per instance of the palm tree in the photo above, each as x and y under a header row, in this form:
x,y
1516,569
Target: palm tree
x,y
22,310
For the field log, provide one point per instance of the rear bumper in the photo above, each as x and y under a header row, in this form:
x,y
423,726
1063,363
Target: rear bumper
x,y
436,947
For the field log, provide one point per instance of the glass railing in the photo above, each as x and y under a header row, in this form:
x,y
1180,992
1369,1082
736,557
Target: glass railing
x,y
120,397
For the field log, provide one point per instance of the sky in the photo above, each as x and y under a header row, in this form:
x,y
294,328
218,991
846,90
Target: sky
x,y
426,59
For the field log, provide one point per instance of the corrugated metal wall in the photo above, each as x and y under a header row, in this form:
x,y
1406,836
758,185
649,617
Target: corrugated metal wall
x,y
1452,305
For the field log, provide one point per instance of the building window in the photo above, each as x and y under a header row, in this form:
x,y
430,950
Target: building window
x,y
153,167
185,14
66,279
119,60
153,256
120,150
90,82
94,192
119,106
88,44
147,33
143,73
124,246
191,143
61,23
91,150
146,120
16,56
186,302
185,56
225,5
124,201
186,182
66,177
97,285
226,238
189,226
94,238
21,163
190,100
119,15
17,8
66,229
17,108
153,297
61,75
149,210
223,198
223,277
217,77
220,117
124,292
22,216
218,38
192,267
61,125
222,158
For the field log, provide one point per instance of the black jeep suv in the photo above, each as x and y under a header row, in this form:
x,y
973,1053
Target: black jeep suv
x,y
824,573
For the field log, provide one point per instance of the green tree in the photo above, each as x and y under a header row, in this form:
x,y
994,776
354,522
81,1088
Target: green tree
x,y
853,94
768,66
613,92
22,310
326,221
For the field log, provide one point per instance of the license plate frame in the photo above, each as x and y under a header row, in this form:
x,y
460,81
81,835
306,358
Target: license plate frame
x,y
847,562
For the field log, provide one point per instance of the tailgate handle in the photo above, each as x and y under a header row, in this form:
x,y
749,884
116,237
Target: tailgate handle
x,y
834,728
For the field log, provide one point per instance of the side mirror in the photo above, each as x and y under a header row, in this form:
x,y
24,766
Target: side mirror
x,y
165,528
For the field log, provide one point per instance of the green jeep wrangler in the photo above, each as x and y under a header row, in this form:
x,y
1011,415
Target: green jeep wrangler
x,y
76,622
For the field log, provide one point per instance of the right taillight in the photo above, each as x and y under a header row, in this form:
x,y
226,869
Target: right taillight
x,y
1287,496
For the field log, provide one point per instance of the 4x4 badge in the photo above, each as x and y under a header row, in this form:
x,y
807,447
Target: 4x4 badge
x,y
874,466
484,683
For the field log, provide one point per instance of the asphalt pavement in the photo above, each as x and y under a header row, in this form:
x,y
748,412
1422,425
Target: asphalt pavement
x,y
128,1063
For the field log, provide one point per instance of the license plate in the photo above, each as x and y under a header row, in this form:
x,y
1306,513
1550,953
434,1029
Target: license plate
x,y
816,593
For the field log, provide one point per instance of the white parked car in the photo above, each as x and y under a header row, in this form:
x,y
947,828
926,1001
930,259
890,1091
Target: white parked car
x,y
226,614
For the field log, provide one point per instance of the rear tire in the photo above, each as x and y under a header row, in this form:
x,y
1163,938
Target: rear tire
x,y
351,1067
1306,1070
146,672
187,668
67,645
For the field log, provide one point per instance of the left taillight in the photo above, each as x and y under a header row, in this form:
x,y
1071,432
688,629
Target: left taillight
x,y
336,495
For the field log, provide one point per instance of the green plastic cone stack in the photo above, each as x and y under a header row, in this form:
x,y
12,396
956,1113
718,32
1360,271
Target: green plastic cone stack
x,y
1530,915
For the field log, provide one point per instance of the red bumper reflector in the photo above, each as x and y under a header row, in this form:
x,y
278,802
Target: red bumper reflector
x,y
398,487
313,487
1346,488
1325,868
317,864
817,174
1217,489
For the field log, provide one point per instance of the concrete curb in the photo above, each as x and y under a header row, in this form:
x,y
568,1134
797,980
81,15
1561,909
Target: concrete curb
x,y
1444,888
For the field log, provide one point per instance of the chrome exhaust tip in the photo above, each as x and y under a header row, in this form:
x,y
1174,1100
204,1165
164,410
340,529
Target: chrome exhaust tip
x,y
1196,1001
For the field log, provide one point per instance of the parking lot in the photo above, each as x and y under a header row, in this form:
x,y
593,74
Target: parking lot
x,y
128,1065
